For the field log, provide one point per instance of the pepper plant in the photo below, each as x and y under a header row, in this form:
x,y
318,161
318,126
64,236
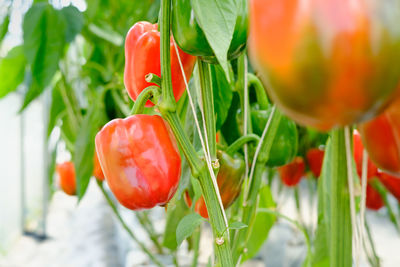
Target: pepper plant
x,y
158,101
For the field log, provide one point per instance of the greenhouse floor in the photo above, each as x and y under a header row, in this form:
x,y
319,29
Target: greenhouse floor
x,y
87,235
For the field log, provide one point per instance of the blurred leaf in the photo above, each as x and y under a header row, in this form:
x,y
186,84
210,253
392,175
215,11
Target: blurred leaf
x,y
105,32
4,27
217,19
12,70
263,223
237,225
222,95
51,169
85,147
174,215
74,21
44,39
187,225
56,108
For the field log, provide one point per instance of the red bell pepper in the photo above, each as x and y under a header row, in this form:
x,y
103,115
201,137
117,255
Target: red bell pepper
x,y
66,177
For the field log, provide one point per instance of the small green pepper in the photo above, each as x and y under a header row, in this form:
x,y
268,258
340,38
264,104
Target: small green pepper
x,y
191,39
284,147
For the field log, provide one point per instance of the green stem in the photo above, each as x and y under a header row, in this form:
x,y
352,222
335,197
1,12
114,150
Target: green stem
x,y
235,146
240,89
125,226
148,227
207,98
153,78
196,246
146,94
376,259
262,99
338,210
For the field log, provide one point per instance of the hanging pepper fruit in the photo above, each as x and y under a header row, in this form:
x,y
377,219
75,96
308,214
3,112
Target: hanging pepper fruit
x,y
142,56
230,178
66,177
284,146
327,63
191,39
140,160
292,173
97,171
315,159
391,183
381,137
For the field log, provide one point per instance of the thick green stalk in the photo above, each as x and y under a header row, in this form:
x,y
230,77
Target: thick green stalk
x,y
126,227
146,94
167,107
239,143
262,99
207,98
340,241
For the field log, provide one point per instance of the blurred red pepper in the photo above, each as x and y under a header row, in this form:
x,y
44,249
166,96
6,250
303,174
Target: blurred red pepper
x,y
66,177
381,137
315,158
142,56
230,178
391,183
292,173
97,171
140,160
327,63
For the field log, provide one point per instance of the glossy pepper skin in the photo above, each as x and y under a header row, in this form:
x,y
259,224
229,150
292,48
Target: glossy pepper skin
x,y
140,160
285,144
97,171
292,173
315,159
191,39
230,179
327,63
142,56
66,177
381,137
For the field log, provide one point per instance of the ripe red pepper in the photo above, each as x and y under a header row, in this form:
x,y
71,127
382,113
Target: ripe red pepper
x,y
142,56
391,183
97,171
315,158
140,160
374,200
230,178
292,173
66,177
381,137
327,63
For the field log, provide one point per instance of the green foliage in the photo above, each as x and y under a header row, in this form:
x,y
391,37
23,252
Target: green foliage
x,y
222,95
187,225
4,27
176,211
12,70
74,22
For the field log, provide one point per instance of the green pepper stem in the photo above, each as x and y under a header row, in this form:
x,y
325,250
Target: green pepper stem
x,y
146,94
207,98
153,78
125,226
148,227
262,98
235,146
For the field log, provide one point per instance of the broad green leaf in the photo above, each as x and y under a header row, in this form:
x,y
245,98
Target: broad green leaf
x,y
217,19
12,70
263,223
44,39
4,27
85,147
187,226
56,108
175,212
74,22
105,32
222,95
237,225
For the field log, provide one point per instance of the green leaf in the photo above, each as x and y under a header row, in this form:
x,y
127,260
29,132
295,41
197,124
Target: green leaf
x,y
175,212
74,21
217,19
222,95
187,225
4,27
12,70
44,39
85,147
263,223
237,225
105,32
56,108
